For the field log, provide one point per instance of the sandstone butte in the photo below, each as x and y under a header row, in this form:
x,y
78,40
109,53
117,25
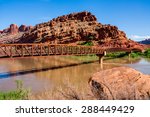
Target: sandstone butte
x,y
73,28
76,27
120,83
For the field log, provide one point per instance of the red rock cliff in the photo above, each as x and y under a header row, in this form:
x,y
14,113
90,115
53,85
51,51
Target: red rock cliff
x,y
75,28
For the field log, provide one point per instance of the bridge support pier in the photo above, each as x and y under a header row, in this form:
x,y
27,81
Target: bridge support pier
x,y
101,57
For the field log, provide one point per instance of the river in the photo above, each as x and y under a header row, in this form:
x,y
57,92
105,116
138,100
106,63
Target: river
x,y
44,73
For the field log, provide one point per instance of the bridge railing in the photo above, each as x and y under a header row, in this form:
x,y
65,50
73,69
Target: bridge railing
x,y
110,50
22,50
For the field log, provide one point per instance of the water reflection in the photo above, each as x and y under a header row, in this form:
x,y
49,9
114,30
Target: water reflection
x,y
143,65
23,72
52,72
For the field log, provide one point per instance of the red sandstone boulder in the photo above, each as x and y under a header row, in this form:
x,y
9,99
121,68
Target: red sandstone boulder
x,y
120,83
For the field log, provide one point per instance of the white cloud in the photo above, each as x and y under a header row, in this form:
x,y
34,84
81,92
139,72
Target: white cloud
x,y
139,37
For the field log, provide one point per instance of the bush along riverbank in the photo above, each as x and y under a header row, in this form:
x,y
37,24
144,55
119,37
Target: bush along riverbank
x,y
133,55
19,94
146,54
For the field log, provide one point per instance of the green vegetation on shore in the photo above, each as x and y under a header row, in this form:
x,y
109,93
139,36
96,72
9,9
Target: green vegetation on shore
x,y
84,58
86,43
116,54
133,55
136,54
147,53
19,94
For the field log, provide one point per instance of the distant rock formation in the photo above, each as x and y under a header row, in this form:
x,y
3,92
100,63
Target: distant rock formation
x,y
120,83
72,28
28,28
22,28
13,33
146,41
13,29
6,30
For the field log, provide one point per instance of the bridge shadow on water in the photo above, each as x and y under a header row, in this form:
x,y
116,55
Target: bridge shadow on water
x,y
24,72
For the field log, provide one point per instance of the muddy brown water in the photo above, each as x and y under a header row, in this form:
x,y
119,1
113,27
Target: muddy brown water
x,y
44,73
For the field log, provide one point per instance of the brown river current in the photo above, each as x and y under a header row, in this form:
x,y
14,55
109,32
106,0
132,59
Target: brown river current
x,y
44,73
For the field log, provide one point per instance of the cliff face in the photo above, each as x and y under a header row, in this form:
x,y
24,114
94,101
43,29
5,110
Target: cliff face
x,y
77,27
74,28
64,29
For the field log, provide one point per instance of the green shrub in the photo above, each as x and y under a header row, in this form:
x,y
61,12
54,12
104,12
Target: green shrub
x,y
135,54
147,53
90,37
116,54
87,43
19,94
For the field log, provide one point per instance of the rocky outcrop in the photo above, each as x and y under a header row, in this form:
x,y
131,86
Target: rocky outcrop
x,y
28,28
22,28
13,29
13,33
77,27
120,83
6,30
64,29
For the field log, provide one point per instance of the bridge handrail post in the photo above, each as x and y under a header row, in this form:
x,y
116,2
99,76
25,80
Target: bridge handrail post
x,y
40,49
22,53
11,54
48,52
32,50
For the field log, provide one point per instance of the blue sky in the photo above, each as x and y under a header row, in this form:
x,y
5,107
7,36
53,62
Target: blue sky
x,y
131,16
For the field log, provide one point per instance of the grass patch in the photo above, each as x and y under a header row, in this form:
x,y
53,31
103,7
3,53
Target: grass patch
x,y
19,94
116,54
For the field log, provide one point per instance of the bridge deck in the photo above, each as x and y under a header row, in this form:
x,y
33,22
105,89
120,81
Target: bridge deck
x,y
23,50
